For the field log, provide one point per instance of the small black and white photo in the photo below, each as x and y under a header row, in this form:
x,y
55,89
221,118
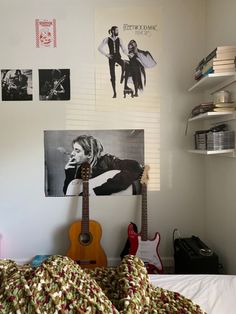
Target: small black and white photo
x,y
54,84
16,84
115,158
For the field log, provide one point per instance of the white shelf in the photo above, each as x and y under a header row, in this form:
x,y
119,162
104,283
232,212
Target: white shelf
x,y
217,80
212,83
212,152
210,114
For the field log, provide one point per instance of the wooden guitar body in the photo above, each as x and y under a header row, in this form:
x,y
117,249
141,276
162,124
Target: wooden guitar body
x,y
85,249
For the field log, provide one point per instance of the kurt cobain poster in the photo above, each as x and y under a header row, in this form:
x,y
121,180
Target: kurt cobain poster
x,y
115,158
127,56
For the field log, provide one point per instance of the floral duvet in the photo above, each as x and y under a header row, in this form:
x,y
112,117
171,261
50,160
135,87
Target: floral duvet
x,y
59,285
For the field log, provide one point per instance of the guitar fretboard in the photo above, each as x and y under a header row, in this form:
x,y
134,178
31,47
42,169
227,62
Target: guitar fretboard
x,y
85,208
144,223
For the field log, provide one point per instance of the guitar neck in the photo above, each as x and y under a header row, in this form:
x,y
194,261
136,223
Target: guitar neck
x,y
144,222
56,86
85,208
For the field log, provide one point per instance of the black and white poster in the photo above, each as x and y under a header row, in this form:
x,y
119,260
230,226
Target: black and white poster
x,y
54,84
16,84
115,158
127,55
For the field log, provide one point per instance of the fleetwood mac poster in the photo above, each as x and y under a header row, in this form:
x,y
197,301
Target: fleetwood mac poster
x,y
127,56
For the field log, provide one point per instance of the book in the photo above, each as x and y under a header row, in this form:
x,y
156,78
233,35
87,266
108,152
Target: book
x,y
225,104
211,55
210,70
207,66
226,55
226,48
220,51
200,65
224,66
219,56
224,70
223,61
229,109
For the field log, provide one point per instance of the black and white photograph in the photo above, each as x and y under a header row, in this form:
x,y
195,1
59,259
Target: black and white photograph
x,y
16,84
115,158
54,84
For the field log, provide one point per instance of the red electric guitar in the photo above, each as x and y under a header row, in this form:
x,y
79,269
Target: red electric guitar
x,y
139,243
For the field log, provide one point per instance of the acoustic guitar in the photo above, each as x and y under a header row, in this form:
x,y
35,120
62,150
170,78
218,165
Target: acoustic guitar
x,y
138,243
85,234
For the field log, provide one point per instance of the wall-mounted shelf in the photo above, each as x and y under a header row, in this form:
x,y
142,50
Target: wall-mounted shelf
x,y
213,152
210,114
217,80
213,83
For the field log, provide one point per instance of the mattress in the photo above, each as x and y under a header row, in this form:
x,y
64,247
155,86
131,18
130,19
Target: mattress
x,y
216,294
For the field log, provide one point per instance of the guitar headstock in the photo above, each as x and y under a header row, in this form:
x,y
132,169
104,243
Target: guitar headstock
x,y
85,171
145,177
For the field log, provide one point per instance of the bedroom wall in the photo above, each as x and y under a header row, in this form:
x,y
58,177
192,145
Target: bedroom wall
x,y
221,172
33,224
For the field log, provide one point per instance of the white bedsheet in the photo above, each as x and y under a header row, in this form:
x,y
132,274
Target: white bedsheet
x,y
216,294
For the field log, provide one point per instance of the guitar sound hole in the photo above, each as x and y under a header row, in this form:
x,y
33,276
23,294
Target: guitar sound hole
x,y
85,238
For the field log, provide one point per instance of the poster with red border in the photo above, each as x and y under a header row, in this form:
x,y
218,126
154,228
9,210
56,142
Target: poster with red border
x,y
45,31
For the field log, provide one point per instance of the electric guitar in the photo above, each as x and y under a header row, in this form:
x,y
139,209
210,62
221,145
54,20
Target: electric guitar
x,y
140,245
54,89
75,187
85,234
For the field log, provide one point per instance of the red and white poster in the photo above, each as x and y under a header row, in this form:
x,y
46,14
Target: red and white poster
x,y
45,33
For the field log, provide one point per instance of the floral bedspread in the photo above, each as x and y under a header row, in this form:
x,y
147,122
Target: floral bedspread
x,y
59,285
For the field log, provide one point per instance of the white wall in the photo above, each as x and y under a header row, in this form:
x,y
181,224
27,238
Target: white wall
x,y
221,171
33,224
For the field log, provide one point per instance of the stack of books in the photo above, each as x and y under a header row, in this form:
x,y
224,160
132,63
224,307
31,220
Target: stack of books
x,y
220,60
225,59
224,107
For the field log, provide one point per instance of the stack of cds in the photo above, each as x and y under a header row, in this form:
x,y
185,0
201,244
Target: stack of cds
x,y
216,138
220,140
201,140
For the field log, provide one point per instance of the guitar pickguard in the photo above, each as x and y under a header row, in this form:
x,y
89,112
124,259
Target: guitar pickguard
x,y
147,251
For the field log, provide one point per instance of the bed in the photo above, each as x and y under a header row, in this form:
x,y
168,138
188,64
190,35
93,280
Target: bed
x,y
216,294
60,285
